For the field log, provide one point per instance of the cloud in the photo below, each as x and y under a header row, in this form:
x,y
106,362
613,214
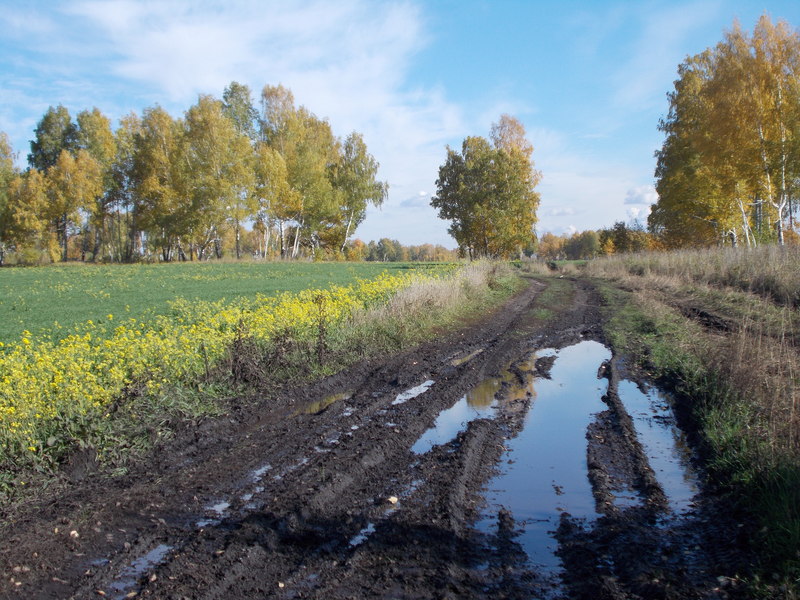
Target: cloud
x,y
559,212
638,213
643,194
349,62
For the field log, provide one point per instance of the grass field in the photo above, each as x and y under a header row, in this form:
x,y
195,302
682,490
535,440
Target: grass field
x,y
36,299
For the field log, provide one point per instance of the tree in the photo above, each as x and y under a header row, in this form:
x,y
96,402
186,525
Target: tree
x,y
159,179
94,135
354,179
121,192
218,161
309,149
7,173
74,183
24,222
488,192
54,133
237,104
276,202
730,155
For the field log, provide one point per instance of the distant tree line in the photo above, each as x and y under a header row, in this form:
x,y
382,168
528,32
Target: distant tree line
x,y
617,239
163,188
729,168
387,250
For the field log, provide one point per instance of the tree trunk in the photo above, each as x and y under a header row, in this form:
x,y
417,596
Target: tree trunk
x,y
347,230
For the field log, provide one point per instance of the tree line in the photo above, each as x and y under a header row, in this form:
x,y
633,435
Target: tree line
x,y
620,238
729,168
167,188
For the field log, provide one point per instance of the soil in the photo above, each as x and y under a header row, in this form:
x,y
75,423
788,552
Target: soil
x,y
278,500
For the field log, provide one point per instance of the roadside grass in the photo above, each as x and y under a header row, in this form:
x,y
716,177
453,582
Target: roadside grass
x,y
244,351
53,298
730,350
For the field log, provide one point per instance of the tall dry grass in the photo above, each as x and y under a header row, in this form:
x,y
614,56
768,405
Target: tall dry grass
x,y
770,271
723,326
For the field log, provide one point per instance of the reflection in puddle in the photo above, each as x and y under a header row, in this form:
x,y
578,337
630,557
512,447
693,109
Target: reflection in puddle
x,y
457,362
413,392
320,405
664,444
129,576
545,470
451,422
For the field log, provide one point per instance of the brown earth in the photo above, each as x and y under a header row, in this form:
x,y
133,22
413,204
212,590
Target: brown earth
x,y
287,499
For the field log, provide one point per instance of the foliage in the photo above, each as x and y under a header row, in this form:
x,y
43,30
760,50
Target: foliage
x,y
185,188
488,192
729,164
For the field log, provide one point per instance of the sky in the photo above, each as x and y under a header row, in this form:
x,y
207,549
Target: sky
x,y
589,81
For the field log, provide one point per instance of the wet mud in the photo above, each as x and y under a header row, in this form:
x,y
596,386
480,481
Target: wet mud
x,y
508,459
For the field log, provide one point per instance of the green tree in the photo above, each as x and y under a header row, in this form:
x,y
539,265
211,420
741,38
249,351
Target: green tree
x,y
354,178
54,133
237,104
488,192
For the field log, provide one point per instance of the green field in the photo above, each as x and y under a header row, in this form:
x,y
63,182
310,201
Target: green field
x,y
36,299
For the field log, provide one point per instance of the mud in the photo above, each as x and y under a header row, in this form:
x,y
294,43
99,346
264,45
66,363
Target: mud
x,y
378,482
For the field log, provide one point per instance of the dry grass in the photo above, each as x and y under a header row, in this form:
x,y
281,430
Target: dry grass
x,y
770,271
723,326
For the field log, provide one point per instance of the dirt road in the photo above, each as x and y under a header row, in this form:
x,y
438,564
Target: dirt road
x,y
342,489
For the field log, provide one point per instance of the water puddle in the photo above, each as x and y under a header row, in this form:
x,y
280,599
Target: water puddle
x,y
413,392
457,362
544,472
453,421
391,507
320,405
128,578
664,443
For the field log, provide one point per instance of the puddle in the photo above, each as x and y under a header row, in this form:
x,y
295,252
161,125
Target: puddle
x,y
362,535
543,472
320,405
219,507
128,578
664,443
453,421
457,362
413,392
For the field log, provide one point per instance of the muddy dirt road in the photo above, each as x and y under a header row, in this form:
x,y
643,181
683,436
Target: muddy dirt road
x,y
514,458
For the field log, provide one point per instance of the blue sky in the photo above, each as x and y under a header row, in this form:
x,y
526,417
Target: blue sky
x,y
588,80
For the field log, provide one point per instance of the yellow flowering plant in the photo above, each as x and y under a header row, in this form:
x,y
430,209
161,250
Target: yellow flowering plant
x,y
55,393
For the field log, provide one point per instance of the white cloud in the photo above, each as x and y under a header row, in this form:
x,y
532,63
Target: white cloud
x,y
642,194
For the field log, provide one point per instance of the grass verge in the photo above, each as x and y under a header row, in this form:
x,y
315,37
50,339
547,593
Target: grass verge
x,y
730,352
